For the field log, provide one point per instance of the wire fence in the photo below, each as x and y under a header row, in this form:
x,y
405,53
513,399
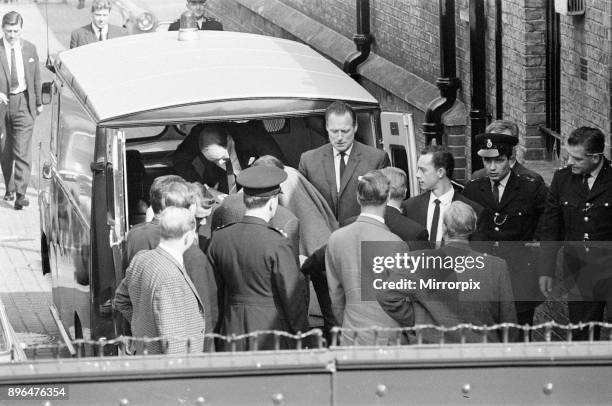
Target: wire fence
x,y
315,339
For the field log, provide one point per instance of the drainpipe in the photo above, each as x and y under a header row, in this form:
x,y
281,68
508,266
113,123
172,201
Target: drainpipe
x,y
363,39
478,113
448,83
499,62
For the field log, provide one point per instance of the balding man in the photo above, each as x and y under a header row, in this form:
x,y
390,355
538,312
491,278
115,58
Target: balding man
x,y
157,296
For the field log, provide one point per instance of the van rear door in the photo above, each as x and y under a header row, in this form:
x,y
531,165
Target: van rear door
x,y
399,142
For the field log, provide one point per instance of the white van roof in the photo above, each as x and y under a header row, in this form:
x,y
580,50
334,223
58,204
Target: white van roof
x,y
155,78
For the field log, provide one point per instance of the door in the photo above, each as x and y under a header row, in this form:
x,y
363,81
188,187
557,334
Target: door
x,y
400,143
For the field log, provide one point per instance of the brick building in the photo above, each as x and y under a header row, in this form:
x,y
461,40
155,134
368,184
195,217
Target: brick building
x,y
547,72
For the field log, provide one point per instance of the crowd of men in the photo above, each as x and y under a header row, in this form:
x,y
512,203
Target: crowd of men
x,y
276,230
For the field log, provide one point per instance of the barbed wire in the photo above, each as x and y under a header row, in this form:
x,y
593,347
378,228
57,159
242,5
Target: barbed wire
x,y
123,343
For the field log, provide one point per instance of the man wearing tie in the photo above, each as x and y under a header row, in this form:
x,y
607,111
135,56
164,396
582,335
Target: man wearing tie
x,y
513,205
20,103
335,167
434,173
203,22
99,29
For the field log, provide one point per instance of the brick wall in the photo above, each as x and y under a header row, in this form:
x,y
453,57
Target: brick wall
x,y
585,66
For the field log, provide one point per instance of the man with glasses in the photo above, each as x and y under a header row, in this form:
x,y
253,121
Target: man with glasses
x,y
203,22
578,216
99,29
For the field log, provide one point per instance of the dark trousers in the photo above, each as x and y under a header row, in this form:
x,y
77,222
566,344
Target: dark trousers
x,y
16,154
586,312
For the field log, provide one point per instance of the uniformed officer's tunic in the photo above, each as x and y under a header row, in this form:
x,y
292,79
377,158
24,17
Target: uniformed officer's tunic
x,y
259,281
582,219
507,225
208,24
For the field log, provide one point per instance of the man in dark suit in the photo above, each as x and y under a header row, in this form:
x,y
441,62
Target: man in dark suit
x,y
434,172
213,154
20,103
157,296
509,128
203,22
512,205
489,304
99,29
258,275
578,217
334,168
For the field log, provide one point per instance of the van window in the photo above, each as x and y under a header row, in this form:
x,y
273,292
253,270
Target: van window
x,y
76,141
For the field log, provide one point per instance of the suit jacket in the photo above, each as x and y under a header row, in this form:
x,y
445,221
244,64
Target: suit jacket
x,y
407,229
232,210
32,74
580,220
489,305
517,168
146,236
86,35
343,263
317,166
251,141
511,222
159,299
209,24
259,281
415,208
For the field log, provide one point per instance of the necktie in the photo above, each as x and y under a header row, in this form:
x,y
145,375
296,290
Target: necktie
x,y
14,80
433,233
585,180
100,35
231,178
496,191
342,164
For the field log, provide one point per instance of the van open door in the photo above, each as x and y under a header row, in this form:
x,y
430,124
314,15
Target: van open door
x,y
399,142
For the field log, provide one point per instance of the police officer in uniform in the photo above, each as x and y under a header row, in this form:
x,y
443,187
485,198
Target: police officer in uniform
x,y
512,205
578,216
258,275
204,22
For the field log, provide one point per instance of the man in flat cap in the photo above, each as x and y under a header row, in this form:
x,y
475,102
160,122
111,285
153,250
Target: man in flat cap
x,y
260,286
512,205
204,22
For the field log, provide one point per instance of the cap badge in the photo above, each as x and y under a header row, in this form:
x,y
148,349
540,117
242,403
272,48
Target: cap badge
x,y
489,143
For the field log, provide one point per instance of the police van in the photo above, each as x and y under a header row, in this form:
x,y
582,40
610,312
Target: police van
x,y
121,107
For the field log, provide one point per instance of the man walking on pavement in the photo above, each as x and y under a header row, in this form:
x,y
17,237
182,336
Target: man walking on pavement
x,y
99,29
20,103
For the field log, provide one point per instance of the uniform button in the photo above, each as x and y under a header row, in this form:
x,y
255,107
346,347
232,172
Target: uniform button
x,y
565,203
586,219
496,229
606,204
586,236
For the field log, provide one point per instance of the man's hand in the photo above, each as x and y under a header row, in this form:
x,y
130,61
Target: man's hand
x,y
546,283
3,98
39,109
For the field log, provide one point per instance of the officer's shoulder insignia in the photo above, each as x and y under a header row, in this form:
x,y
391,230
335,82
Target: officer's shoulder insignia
x,y
527,177
225,226
278,230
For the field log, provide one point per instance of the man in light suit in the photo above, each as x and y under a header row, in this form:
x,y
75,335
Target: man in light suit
x,y
490,304
434,172
20,103
99,29
343,263
334,168
157,295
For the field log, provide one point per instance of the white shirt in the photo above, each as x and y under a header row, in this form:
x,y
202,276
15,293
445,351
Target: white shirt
x,y
19,64
176,255
373,216
337,163
96,31
445,200
594,173
502,185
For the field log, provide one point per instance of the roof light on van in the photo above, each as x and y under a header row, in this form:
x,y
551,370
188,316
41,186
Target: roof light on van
x,y
188,29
